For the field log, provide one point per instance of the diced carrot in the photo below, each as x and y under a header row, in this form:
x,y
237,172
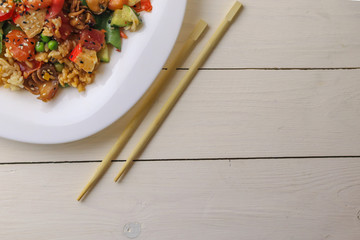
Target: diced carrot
x,y
123,35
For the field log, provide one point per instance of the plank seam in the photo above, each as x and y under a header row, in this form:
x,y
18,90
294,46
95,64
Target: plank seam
x,y
185,159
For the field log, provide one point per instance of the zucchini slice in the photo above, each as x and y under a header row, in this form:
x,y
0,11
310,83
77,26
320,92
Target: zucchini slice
x,y
126,18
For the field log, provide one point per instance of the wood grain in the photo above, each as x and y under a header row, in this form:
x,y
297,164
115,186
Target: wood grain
x,y
264,199
229,113
282,33
233,114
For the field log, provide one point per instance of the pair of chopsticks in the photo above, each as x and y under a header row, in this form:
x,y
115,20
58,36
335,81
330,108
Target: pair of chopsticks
x,y
163,77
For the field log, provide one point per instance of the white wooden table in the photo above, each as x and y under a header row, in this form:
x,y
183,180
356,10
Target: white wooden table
x,y
265,143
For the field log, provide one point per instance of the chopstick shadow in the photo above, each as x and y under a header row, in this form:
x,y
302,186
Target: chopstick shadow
x,y
124,121
191,18
188,25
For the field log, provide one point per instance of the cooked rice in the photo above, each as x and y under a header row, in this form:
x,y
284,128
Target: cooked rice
x,y
75,77
10,74
71,31
56,55
71,75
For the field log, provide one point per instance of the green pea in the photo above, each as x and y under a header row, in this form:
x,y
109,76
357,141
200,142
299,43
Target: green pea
x,y
59,67
40,47
45,38
53,45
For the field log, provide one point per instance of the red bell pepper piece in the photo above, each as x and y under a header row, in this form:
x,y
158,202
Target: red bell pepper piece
x,y
75,53
18,13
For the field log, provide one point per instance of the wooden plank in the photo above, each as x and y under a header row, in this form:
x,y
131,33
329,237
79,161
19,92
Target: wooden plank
x,y
264,199
233,114
272,34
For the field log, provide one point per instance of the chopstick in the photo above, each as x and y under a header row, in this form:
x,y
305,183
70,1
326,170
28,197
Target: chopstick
x,y
199,61
144,108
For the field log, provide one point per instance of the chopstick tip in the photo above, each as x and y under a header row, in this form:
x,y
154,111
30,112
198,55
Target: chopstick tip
x,y
83,192
117,177
80,196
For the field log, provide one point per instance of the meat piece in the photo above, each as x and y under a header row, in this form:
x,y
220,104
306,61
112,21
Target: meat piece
x,y
32,22
43,82
87,60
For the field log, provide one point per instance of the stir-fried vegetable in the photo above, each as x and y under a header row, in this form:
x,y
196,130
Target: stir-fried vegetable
x,y
20,46
6,10
53,44
55,8
40,47
44,38
127,18
76,52
112,36
144,5
59,67
40,36
104,55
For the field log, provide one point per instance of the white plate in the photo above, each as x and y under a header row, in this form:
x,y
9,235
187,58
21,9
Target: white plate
x,y
118,86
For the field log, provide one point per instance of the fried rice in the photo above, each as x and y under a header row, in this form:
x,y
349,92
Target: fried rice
x,y
48,47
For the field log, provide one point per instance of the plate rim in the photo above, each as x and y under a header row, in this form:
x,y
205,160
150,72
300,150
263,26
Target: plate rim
x,y
96,122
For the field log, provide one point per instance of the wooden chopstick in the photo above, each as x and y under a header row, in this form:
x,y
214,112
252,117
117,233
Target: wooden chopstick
x,y
181,87
144,108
